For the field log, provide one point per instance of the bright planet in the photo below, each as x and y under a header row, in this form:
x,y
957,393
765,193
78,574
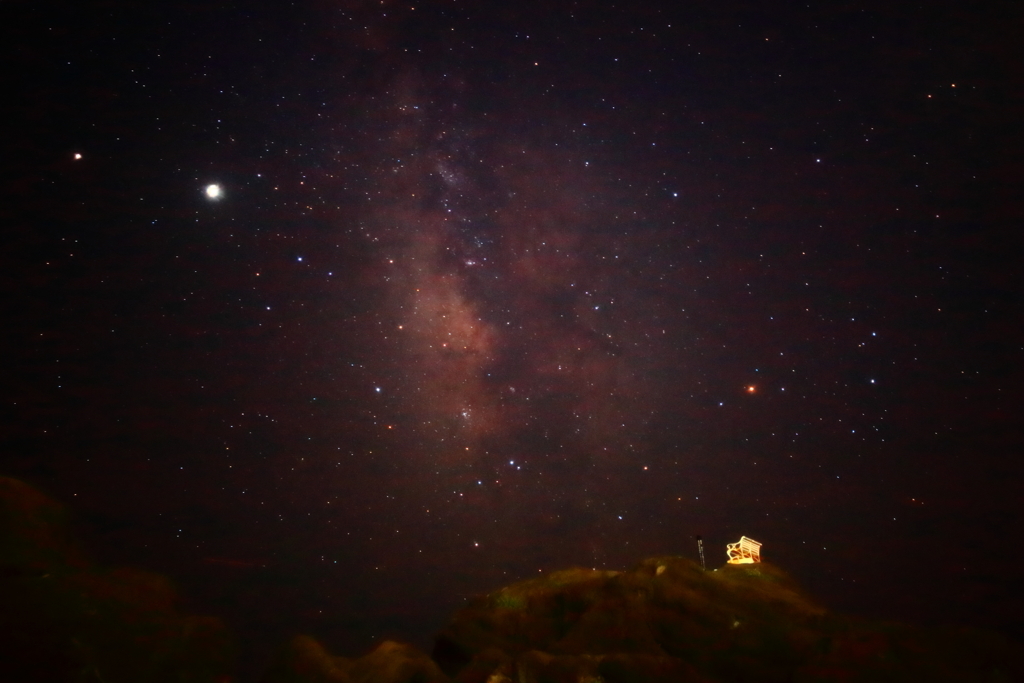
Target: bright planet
x,y
213,191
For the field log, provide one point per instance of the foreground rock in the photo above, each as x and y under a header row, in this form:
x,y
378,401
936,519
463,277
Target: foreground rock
x,y
665,621
304,660
63,618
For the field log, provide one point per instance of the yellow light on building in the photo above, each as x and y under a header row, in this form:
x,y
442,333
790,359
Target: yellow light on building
x,y
744,551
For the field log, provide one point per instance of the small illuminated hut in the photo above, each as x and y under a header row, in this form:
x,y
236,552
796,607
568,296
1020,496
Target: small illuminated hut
x,y
744,551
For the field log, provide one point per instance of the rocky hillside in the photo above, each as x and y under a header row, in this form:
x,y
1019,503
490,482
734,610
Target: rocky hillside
x,y
64,618
666,620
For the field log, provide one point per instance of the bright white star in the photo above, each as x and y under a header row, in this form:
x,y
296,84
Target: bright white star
x,y
213,191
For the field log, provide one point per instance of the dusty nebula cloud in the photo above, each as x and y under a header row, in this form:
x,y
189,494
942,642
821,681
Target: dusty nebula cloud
x,y
506,261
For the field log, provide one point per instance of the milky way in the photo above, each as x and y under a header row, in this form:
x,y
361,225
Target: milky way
x,y
510,277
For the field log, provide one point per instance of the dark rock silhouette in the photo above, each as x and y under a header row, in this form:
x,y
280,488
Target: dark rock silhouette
x,y
666,620
63,618
669,621
304,659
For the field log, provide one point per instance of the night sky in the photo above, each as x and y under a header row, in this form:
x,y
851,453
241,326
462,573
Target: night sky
x,y
498,287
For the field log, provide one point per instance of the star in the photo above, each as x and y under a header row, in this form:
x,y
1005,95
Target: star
x,y
213,191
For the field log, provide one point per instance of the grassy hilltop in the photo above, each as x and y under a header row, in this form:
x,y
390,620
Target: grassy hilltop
x,y
664,621
65,618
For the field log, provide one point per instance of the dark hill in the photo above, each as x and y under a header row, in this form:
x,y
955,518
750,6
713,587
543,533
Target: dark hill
x,y
665,616
666,620
65,618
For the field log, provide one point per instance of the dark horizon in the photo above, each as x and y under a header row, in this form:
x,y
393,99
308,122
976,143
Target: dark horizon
x,y
490,290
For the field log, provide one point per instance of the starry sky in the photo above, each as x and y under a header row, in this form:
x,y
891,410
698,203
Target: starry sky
x,y
341,312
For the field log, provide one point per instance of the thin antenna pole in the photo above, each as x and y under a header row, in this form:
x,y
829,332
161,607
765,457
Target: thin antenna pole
x,y
700,549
